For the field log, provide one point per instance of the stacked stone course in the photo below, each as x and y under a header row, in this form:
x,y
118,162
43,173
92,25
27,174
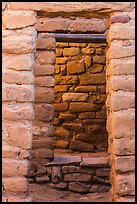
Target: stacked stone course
x,y
79,104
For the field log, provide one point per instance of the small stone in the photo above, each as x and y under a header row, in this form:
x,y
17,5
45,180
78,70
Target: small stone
x,y
94,161
42,179
79,187
56,174
77,177
94,188
68,169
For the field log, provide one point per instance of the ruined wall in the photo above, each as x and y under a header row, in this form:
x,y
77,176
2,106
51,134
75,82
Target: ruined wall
x,y
18,47
80,95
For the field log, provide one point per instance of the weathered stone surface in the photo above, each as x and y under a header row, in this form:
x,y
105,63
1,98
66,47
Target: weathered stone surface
x,y
74,96
18,44
79,187
45,57
61,60
12,170
103,189
52,24
42,179
56,175
87,79
68,80
72,51
119,19
86,25
23,62
15,184
59,185
88,60
61,143
42,70
45,43
97,68
65,160
77,177
17,111
75,67
94,161
18,93
82,146
62,132
42,81
42,153
24,141
15,20
85,89
40,142
73,126
46,113
87,115
67,116
125,184
68,169
102,172
127,199
62,88
88,50
44,95
84,170
124,164
60,107
82,107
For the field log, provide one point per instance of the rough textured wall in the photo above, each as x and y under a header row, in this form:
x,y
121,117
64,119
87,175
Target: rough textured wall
x,y
121,105
80,95
18,47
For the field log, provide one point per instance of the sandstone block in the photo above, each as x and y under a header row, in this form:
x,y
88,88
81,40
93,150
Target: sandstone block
x,y
97,68
61,143
42,179
86,115
126,83
124,146
73,126
62,88
82,146
87,79
94,188
123,124
42,70
45,57
59,52
43,142
103,172
67,116
75,67
82,107
18,20
101,114
42,154
17,111
103,189
15,184
63,70
72,51
10,152
85,88
68,169
46,113
74,96
88,25
77,177
14,138
124,164
22,44
59,185
127,199
23,168
88,60
94,161
12,77
121,66
117,50
18,93
119,18
122,100
43,81
52,24
44,95
79,187
56,175
84,170
45,43
121,32
9,167
87,50
125,184
62,132
60,107
66,80
61,60
99,59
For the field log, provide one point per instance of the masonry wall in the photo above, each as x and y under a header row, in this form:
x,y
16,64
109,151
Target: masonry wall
x,y
18,47
79,97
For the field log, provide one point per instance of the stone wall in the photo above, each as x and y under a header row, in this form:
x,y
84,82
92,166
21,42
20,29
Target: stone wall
x,y
18,47
80,95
